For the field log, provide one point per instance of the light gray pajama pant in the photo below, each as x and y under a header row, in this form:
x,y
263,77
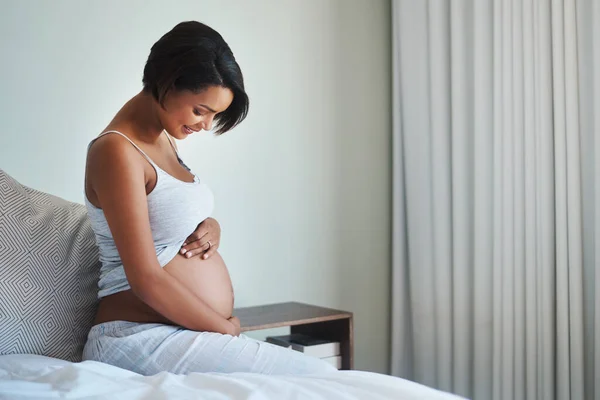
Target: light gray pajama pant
x,y
152,348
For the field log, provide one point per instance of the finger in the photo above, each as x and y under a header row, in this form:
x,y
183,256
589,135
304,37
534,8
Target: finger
x,y
193,244
197,235
214,246
209,252
192,238
197,246
196,252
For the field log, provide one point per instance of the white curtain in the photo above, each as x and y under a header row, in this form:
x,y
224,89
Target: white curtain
x,y
496,229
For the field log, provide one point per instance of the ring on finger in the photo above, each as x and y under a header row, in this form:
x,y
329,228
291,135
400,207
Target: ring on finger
x,y
209,245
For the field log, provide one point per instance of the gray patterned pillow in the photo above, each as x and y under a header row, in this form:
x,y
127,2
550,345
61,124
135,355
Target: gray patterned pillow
x,y
48,273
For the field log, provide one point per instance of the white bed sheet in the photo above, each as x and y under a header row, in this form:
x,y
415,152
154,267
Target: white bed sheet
x,y
37,377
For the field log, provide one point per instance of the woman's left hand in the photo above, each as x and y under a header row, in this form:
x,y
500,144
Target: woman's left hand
x,y
203,241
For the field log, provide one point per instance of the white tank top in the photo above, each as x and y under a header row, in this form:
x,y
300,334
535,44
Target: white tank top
x,y
175,209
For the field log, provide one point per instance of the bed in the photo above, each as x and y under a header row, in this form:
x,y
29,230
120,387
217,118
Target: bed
x,y
38,377
48,298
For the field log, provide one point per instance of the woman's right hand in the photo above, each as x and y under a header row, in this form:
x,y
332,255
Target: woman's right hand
x,y
235,321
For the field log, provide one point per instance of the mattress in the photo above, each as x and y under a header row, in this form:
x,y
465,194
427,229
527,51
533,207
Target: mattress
x,y
38,377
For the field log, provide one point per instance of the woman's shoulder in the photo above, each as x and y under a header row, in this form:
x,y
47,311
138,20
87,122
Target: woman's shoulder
x,y
111,163
114,151
111,146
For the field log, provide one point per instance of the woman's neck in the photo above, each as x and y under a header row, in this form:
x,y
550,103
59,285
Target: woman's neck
x,y
142,113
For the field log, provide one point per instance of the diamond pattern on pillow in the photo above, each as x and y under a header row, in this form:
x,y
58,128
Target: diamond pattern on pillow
x,y
49,272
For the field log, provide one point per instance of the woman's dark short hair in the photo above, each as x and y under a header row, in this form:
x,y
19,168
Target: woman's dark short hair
x,y
193,56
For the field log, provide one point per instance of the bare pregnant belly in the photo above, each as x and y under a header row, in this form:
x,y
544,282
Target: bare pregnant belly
x,y
207,279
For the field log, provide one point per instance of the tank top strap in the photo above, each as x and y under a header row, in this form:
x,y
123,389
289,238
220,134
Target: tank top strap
x,y
130,141
178,156
172,144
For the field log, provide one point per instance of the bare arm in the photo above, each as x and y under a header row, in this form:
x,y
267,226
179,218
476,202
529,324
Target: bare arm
x,y
117,177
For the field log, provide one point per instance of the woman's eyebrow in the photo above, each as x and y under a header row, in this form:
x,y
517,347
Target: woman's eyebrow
x,y
207,107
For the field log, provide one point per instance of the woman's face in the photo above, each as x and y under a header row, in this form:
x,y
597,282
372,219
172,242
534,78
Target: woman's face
x,y
186,112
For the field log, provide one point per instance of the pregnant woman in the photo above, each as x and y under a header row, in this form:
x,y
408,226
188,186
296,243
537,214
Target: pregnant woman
x,y
166,298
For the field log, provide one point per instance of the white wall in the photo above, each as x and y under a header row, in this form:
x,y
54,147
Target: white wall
x,y
302,187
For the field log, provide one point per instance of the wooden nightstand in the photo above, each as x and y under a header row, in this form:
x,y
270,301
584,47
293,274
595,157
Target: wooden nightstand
x,y
321,322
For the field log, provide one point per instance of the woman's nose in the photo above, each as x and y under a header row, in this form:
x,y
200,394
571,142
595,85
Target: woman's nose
x,y
207,124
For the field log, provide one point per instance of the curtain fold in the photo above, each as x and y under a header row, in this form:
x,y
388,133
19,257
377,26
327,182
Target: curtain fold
x,y
595,51
496,170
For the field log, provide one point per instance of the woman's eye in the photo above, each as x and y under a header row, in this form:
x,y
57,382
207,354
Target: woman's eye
x,y
197,112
